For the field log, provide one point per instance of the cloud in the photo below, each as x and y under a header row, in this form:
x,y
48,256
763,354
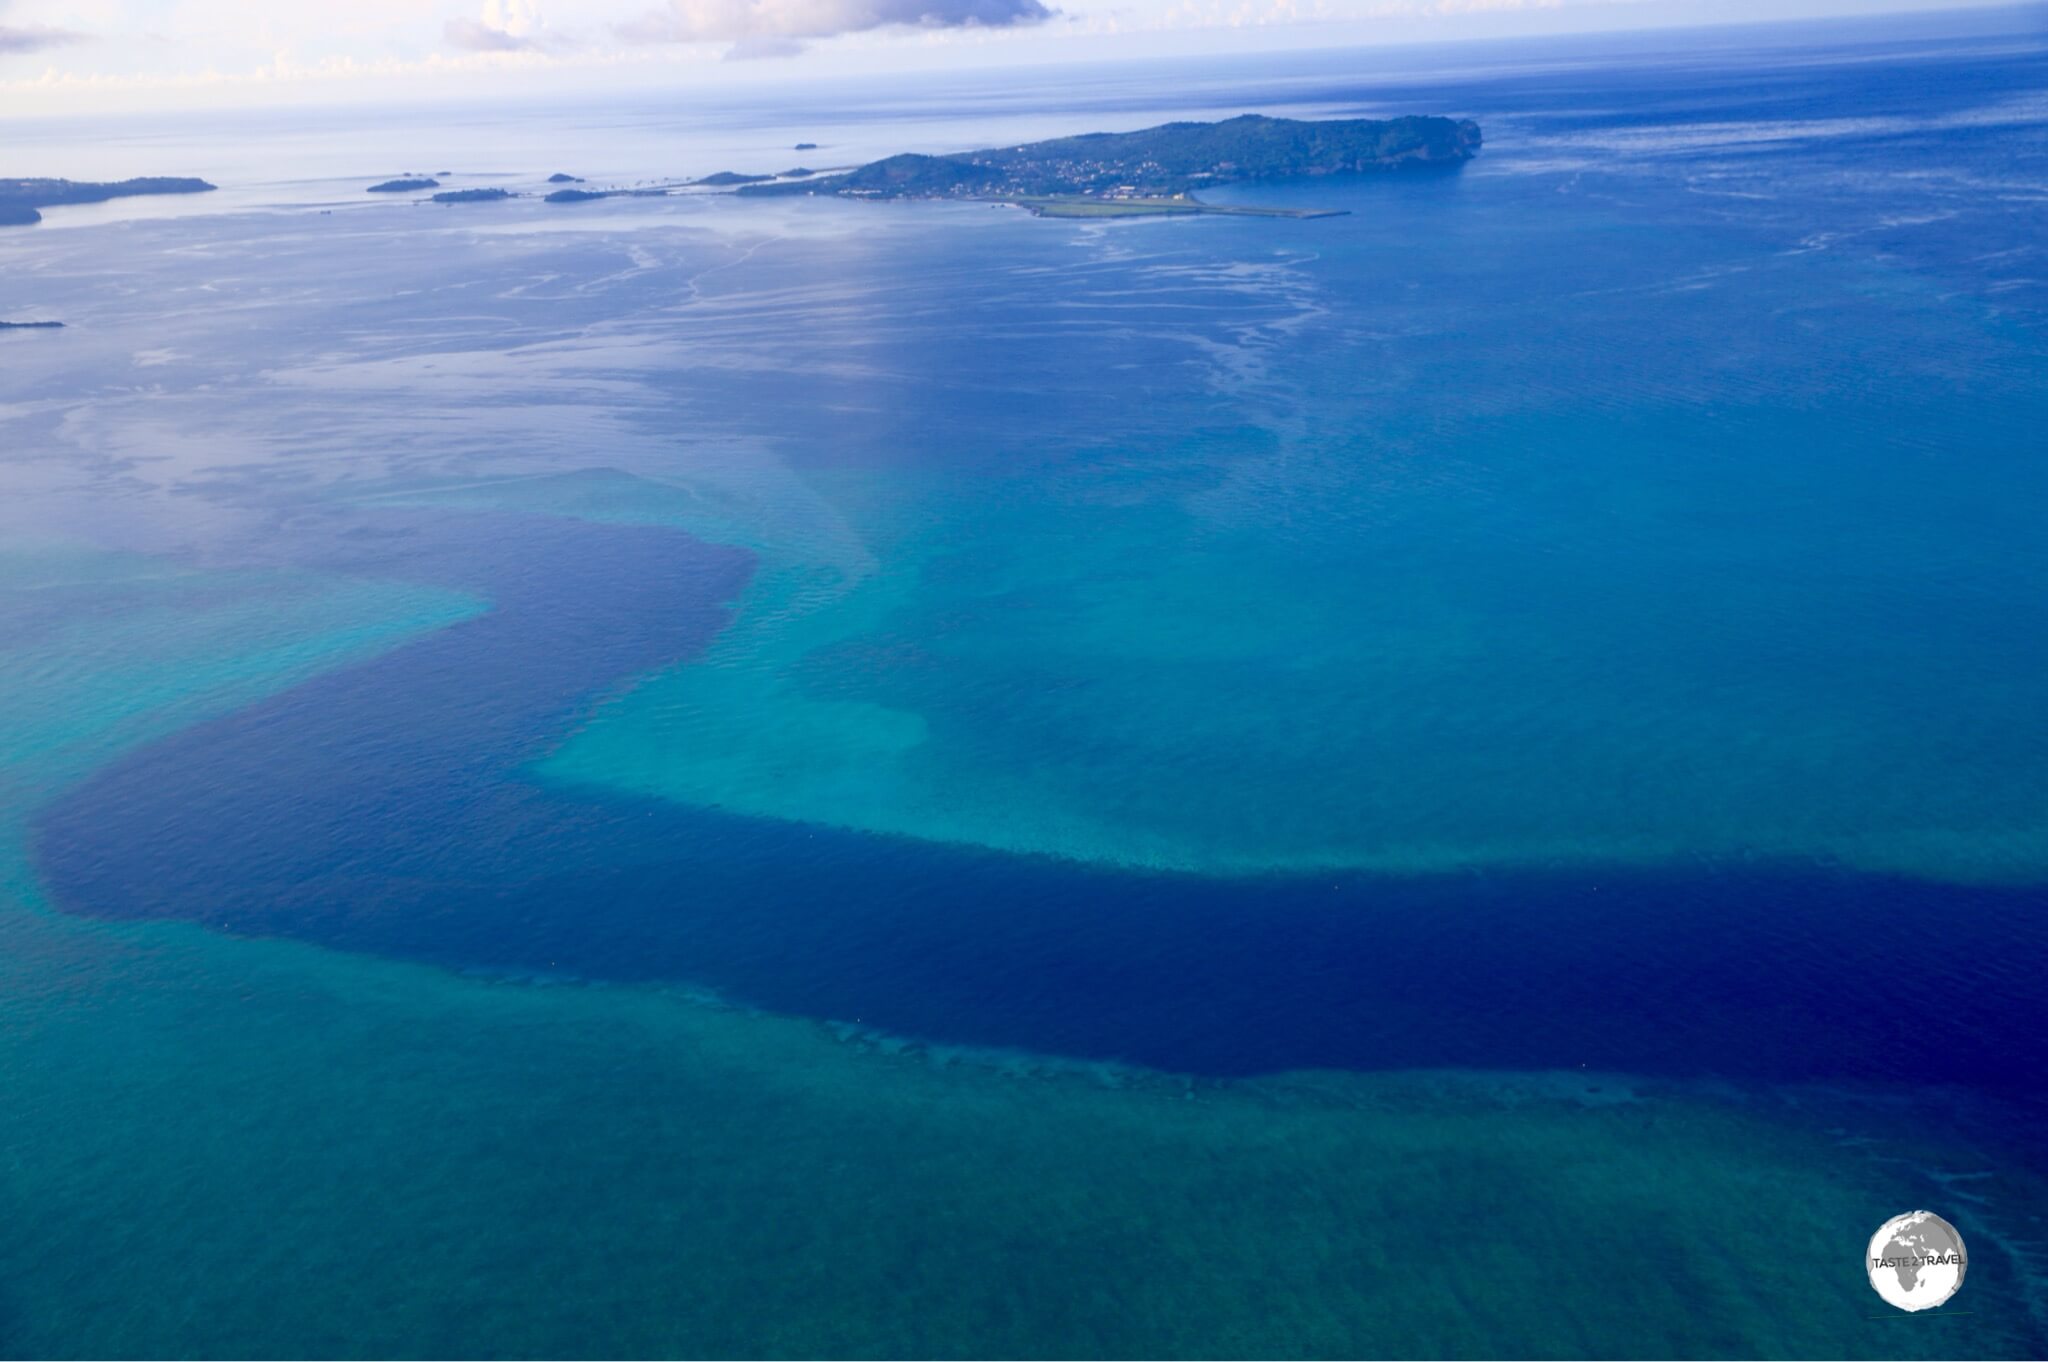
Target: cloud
x,y
36,38
505,26
758,26
763,49
474,36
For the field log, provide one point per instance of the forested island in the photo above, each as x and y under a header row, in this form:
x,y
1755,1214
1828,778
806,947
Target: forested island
x,y
19,199
1155,170
405,184
590,195
472,195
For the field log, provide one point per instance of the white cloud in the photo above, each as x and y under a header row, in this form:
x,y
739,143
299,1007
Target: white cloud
x,y
104,54
763,49
504,26
36,38
473,35
17,39
763,22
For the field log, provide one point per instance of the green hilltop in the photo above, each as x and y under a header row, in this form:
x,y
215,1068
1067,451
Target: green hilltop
x,y
1170,160
19,199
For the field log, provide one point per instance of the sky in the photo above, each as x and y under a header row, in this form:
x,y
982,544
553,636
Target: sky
x,y
66,56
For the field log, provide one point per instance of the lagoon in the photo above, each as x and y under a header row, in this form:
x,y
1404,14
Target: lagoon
x,y
725,777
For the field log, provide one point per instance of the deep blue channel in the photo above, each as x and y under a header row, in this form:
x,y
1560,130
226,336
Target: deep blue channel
x,y
381,808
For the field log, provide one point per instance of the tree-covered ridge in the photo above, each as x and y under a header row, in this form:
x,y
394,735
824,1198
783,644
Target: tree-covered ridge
x,y
1174,158
19,199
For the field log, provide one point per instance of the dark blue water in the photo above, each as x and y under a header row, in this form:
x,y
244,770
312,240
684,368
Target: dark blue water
x,y
379,808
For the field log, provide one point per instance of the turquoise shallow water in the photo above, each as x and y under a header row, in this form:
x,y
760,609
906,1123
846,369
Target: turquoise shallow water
x,y
1492,572
1505,719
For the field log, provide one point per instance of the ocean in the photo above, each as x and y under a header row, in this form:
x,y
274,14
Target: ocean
x,y
709,776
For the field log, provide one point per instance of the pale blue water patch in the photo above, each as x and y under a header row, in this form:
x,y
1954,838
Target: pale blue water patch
x,y
1424,537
